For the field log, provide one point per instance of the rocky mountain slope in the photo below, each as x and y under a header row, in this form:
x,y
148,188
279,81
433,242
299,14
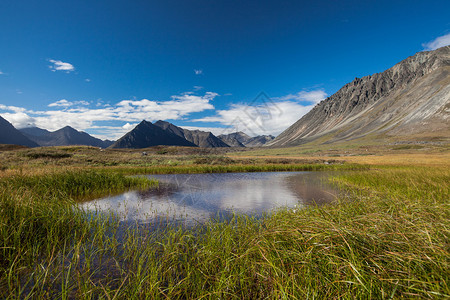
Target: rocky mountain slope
x,y
66,136
10,135
233,139
409,101
241,139
200,138
146,134
259,141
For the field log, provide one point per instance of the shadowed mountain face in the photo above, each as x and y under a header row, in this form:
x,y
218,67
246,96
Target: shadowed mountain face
x,y
200,138
145,134
10,135
66,136
240,139
34,131
409,101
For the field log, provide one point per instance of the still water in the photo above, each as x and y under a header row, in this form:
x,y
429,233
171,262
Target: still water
x,y
195,198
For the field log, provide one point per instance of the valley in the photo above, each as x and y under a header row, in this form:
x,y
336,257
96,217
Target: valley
x,y
370,221
197,215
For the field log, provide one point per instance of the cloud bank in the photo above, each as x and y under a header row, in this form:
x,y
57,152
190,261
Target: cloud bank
x,y
264,115
268,116
127,113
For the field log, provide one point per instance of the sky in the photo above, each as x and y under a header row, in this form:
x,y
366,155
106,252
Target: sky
x,y
103,66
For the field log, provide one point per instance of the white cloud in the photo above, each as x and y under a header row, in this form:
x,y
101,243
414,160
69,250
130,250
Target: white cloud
x,y
270,117
62,102
20,119
438,42
12,108
174,109
198,72
129,126
87,80
61,66
66,103
314,96
110,132
197,88
1,73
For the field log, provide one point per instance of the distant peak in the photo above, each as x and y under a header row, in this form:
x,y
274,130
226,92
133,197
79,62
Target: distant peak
x,y
144,122
68,128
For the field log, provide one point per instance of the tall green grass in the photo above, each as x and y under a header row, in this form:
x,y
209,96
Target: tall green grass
x,y
212,168
387,237
38,216
74,184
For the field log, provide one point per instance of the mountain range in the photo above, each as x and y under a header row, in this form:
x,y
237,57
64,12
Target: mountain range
x,y
143,135
410,101
147,134
240,139
66,136
197,137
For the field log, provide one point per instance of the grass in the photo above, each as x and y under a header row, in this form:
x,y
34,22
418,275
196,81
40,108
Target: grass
x,y
386,237
37,213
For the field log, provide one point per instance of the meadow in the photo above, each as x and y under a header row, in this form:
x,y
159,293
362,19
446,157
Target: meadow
x,y
387,236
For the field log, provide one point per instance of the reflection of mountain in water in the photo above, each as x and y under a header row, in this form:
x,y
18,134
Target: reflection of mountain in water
x,y
312,188
162,191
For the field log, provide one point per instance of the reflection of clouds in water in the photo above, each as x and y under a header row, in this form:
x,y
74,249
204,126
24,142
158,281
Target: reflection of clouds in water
x,y
248,195
242,192
197,197
131,207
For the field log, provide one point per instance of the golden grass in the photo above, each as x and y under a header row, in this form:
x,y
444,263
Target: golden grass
x,y
420,159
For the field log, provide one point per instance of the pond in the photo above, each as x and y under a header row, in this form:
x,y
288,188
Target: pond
x,y
195,198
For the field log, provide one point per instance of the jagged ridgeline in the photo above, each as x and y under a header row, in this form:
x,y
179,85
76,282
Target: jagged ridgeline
x,y
66,136
240,139
200,138
410,101
146,134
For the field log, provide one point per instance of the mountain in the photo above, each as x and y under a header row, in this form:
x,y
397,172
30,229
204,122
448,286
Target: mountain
x,y
34,131
409,101
240,139
200,138
145,134
10,135
235,139
259,140
63,137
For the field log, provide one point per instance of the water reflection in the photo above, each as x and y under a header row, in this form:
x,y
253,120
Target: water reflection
x,y
193,198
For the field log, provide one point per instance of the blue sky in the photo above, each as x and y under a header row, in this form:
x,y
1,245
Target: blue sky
x,y
103,66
